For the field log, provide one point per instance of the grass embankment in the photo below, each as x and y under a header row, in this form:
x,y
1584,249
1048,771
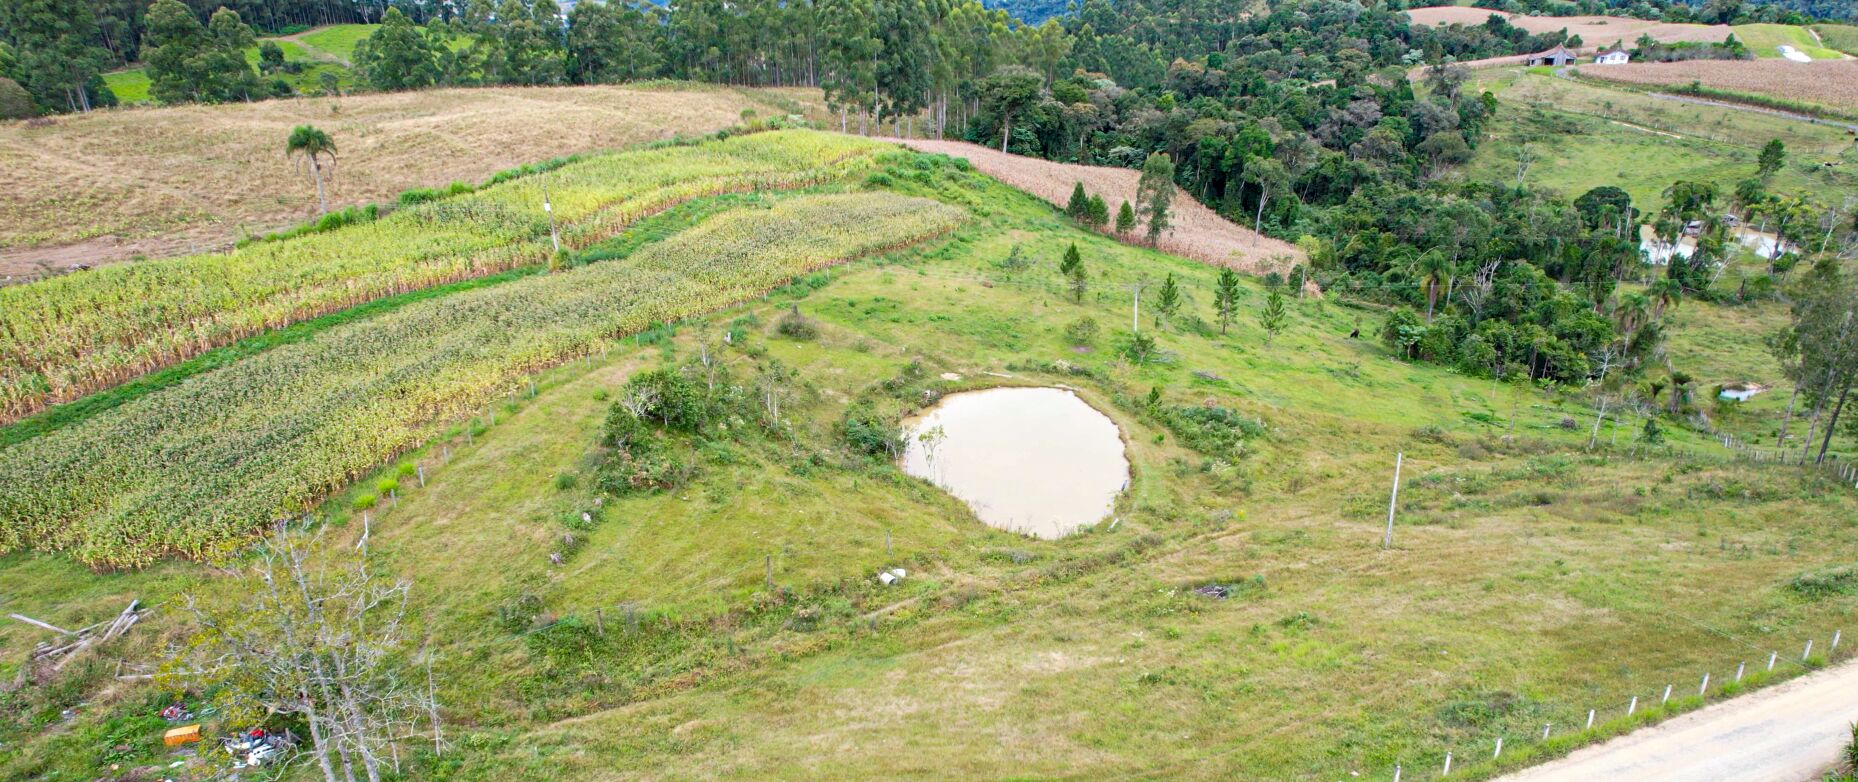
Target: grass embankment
x,y
1530,581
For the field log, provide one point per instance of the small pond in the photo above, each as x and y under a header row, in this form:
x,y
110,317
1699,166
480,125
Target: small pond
x,y
1038,461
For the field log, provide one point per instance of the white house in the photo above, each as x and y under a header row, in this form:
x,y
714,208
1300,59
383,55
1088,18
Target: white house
x,y
1614,56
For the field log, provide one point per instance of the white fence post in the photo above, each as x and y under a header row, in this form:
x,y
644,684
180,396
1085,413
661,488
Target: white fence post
x,y
1835,642
1705,686
1771,657
1545,727
1393,500
1396,773
1591,711
1808,651
1499,752
1738,670
1632,707
1448,766
1667,695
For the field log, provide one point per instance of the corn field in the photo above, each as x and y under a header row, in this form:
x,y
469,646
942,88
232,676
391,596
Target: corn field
x,y
65,337
193,469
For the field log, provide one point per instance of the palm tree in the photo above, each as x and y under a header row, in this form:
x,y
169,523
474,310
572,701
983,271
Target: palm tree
x,y
1432,268
311,146
1631,311
1666,294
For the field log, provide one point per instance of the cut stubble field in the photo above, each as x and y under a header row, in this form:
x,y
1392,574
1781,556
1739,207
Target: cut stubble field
x,y
115,185
1594,31
1832,83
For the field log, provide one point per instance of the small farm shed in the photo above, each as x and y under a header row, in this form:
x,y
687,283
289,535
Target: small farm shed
x,y
1613,56
1556,56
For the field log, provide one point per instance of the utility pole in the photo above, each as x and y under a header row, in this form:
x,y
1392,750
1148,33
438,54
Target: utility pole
x,y
1393,501
549,209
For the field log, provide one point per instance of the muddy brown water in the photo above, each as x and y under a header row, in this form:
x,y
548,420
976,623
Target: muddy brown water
x,y
1038,461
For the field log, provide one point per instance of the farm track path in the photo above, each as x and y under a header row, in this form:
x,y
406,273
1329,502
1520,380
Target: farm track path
x,y
1791,732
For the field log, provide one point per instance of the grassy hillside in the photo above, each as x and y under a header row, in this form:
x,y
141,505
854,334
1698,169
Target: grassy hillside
x,y
1843,37
1765,40
166,181
131,85
1531,579
1587,135
338,40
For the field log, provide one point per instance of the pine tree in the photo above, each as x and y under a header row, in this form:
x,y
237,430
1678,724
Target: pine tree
x,y
1097,213
1226,297
1125,220
1154,193
1078,208
1073,267
1168,300
1273,318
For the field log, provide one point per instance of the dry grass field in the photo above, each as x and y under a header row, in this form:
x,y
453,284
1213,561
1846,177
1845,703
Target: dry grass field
x,y
1198,232
160,181
1833,84
1595,31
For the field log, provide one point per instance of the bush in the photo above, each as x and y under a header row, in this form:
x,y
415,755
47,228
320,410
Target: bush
x,y
794,325
1825,582
1212,430
364,502
387,486
869,432
1082,332
15,102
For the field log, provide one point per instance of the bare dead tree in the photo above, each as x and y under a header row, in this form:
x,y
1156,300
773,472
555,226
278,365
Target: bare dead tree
x,y
322,638
1476,295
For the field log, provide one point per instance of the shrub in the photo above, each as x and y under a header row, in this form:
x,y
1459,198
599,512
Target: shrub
x,y
869,432
364,502
15,102
1082,332
794,325
1212,430
1824,582
387,486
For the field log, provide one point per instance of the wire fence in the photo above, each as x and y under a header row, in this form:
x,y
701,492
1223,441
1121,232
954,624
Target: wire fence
x,y
1744,667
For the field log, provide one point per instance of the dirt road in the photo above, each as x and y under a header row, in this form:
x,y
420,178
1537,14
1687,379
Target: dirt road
x,y
1792,732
